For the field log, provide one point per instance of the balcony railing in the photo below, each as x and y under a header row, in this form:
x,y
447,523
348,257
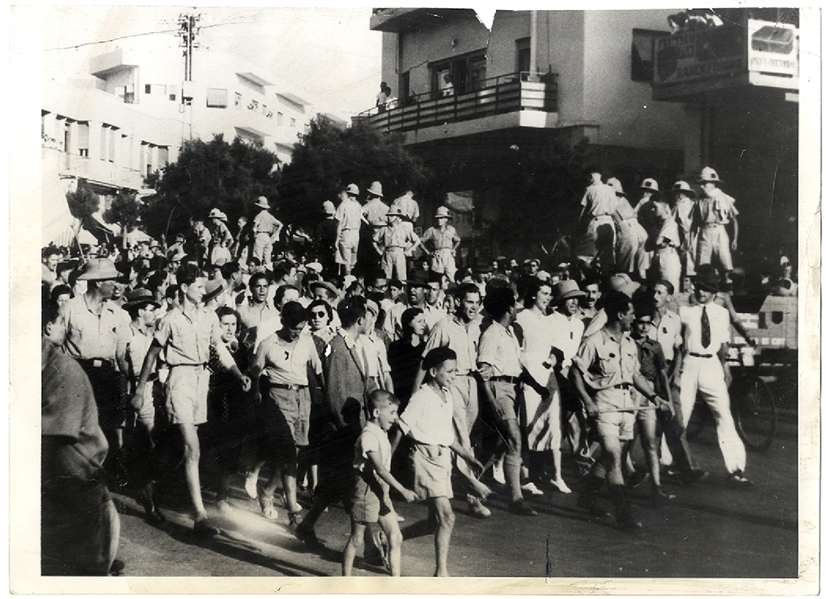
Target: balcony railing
x,y
498,95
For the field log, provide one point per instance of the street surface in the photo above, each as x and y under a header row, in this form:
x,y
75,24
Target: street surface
x,y
708,531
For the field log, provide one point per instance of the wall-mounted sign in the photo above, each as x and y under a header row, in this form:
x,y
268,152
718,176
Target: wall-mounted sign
x,y
773,48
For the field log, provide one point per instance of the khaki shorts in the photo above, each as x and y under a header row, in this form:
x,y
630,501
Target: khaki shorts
x,y
186,394
371,499
616,424
504,400
431,471
294,405
347,247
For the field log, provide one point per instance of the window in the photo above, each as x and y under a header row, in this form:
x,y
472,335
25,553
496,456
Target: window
x,y
523,55
129,94
112,133
642,54
147,89
457,75
404,86
173,93
216,97
237,99
163,155
83,139
104,138
477,71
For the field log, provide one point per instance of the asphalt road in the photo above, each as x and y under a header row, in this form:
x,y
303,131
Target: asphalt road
x,y
709,530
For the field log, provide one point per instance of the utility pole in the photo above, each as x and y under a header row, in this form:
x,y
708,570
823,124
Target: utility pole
x,y
188,31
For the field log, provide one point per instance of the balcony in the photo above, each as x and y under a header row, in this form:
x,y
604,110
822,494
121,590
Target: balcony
x,y
510,93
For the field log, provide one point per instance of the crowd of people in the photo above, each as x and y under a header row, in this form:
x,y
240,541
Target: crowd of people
x,y
374,365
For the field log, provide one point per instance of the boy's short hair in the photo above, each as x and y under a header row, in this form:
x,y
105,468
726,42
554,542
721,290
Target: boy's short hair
x,y
437,356
227,311
378,399
172,291
667,284
350,309
281,292
498,301
187,273
293,314
49,314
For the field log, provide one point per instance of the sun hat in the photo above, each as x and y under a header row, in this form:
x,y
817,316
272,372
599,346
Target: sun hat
x,y
443,212
352,189
375,189
138,298
325,285
99,269
650,184
215,213
211,290
683,187
328,207
707,278
615,183
262,202
565,290
709,175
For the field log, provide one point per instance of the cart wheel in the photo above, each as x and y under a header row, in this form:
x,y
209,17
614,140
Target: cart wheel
x,y
755,414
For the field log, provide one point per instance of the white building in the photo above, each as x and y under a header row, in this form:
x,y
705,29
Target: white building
x,y
128,112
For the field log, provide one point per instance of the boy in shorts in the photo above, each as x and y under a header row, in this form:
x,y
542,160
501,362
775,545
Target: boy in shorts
x,y
187,333
428,421
371,495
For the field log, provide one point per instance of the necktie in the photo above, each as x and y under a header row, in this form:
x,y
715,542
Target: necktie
x,y
705,329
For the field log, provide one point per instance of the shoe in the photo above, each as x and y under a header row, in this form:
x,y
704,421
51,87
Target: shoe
x,y
521,508
736,479
295,518
635,479
117,567
251,485
204,528
531,489
267,508
659,498
306,535
146,497
560,486
399,517
477,509
692,476
223,506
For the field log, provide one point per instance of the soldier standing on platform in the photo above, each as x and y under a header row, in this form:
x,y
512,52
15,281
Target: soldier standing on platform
x,y
441,242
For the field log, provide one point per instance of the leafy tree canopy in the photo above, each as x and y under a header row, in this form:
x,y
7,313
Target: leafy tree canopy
x,y
123,210
207,175
83,202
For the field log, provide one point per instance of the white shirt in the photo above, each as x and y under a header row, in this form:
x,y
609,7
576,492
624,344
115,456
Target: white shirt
x,y
428,418
566,335
718,318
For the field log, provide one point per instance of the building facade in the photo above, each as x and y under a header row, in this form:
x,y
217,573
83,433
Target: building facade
x,y
474,102
130,111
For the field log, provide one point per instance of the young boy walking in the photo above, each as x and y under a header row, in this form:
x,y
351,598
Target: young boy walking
x,y
428,421
371,495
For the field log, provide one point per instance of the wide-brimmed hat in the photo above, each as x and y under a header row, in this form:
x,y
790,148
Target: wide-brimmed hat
x,y
328,207
396,211
565,290
99,269
709,175
442,212
650,184
138,298
417,278
707,278
615,183
212,289
372,306
623,283
325,285
215,213
375,189
263,202
315,267
352,189
683,187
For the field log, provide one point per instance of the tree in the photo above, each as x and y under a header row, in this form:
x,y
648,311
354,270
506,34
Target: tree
x,y
327,158
123,211
207,175
83,202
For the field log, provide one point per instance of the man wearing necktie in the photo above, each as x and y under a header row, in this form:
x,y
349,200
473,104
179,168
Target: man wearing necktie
x,y
704,369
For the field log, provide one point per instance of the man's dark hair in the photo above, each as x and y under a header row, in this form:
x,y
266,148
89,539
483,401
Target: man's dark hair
x,y
463,290
49,314
350,309
498,301
228,269
667,284
60,290
222,311
187,274
259,275
615,303
293,314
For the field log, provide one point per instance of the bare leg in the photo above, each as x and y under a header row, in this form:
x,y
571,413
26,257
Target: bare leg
x,y
390,525
192,458
355,544
446,519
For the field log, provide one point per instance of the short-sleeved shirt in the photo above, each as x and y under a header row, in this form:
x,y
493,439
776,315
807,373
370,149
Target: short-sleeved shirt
x,y
408,206
719,321
566,335
652,361
684,215
428,418
348,214
599,200
265,223
607,361
375,355
375,211
374,439
438,239
286,363
624,210
397,235
188,338
667,332
463,339
500,348
89,335
220,233
668,230
433,315
717,207
138,347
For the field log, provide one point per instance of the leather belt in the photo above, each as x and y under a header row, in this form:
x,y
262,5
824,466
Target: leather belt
x,y
287,387
623,386
696,355
201,365
513,380
96,363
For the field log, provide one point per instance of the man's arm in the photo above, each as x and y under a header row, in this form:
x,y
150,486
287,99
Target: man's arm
x,y
387,477
735,233
722,354
575,376
148,366
466,455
